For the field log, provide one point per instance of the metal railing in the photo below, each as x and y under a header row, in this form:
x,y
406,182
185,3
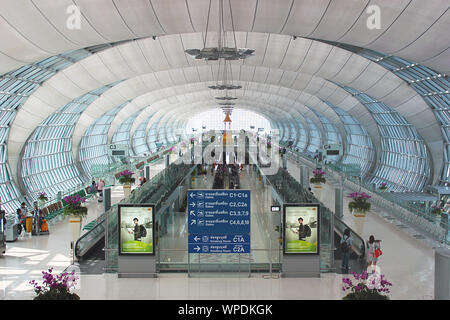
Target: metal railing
x,y
435,226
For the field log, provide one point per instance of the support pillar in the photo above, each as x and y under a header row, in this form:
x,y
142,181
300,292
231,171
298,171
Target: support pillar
x,y
304,176
147,172
339,202
442,274
106,199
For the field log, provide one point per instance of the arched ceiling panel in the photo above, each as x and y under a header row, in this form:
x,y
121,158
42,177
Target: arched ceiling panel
x,y
124,61
411,29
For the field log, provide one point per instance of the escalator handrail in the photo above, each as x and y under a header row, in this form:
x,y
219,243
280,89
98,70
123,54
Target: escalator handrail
x,y
361,250
101,220
77,249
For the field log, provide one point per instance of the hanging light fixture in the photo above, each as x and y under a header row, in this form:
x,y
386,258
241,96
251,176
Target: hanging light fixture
x,y
222,51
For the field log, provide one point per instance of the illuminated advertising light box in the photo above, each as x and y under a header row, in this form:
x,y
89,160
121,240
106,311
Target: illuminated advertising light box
x,y
136,232
301,229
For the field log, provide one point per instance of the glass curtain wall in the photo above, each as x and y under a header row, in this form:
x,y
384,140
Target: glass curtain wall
x,y
15,88
432,85
404,164
315,137
332,134
359,148
122,134
94,144
48,164
302,137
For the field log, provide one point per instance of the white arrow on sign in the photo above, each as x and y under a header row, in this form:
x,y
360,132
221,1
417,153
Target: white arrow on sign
x,y
197,248
192,195
196,238
193,204
192,212
193,222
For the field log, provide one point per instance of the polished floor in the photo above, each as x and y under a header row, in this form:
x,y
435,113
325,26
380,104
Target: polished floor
x,y
407,262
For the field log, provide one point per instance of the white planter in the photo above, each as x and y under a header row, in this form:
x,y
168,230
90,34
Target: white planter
x,y
126,190
42,203
75,227
359,218
317,190
359,213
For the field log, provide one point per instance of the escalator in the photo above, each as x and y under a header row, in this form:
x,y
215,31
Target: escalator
x,y
89,248
357,261
289,190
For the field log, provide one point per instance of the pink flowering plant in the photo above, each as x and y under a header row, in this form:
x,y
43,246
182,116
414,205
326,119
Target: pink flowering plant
x,y
42,196
318,176
55,287
125,177
367,287
383,186
73,206
359,201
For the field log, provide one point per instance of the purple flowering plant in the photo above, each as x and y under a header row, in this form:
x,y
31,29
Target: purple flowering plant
x,y
436,210
383,186
42,196
55,287
318,176
125,177
359,201
366,287
73,206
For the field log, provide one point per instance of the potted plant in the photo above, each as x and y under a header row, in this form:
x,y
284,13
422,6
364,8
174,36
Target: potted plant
x,y
126,179
318,177
76,212
383,187
42,198
373,287
55,287
359,204
436,210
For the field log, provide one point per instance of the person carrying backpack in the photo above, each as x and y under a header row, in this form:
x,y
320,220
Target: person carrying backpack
x,y
304,230
139,231
93,188
346,246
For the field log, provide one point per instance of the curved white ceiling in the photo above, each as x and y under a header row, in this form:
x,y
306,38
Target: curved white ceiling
x,y
280,63
413,29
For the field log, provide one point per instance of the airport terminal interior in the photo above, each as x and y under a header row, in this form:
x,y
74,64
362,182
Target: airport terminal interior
x,y
225,149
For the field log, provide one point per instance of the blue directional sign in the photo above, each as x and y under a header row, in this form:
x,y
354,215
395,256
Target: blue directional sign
x,y
219,221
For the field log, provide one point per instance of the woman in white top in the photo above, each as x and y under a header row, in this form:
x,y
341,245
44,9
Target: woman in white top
x,y
372,244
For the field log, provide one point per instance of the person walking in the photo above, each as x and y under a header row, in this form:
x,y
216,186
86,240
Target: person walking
x,y
21,217
346,247
372,246
100,186
93,188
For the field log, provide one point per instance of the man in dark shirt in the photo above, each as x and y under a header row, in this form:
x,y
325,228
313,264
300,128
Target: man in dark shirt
x,y
136,230
303,230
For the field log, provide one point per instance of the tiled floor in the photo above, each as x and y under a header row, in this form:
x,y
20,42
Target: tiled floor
x,y
407,262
